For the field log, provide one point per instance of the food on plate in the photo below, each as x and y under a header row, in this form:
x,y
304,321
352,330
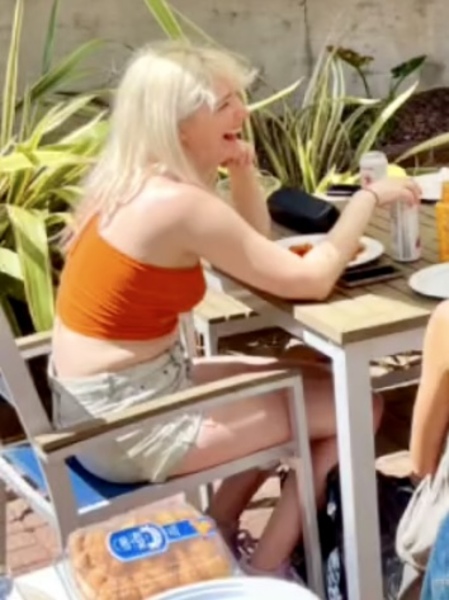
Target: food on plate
x,y
146,552
302,249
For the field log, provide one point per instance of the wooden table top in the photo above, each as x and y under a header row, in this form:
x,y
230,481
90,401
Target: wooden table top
x,y
370,311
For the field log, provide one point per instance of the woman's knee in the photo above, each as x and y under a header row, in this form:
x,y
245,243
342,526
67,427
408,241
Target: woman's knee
x,y
233,431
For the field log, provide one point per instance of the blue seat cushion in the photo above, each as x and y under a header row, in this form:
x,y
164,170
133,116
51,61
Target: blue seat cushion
x,y
89,490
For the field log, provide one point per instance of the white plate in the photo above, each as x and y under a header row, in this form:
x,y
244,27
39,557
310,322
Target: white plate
x,y
373,248
30,593
432,281
240,588
43,584
333,199
431,184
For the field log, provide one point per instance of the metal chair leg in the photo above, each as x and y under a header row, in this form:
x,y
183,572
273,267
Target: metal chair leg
x,y
3,530
210,342
6,581
306,489
200,497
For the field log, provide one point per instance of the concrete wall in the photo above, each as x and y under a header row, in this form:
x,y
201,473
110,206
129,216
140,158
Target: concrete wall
x,y
282,37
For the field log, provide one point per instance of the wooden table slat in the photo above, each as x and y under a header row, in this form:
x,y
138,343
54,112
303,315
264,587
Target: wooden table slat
x,y
218,307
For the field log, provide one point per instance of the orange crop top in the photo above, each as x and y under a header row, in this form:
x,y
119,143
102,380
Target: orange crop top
x,y
106,294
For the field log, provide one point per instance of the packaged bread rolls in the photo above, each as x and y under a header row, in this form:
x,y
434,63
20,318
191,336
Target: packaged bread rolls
x,y
146,552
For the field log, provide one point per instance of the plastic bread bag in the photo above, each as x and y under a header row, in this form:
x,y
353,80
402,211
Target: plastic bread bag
x,y
145,552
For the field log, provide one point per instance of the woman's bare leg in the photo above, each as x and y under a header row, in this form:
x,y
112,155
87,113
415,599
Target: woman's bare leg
x,y
232,497
283,529
232,432
235,493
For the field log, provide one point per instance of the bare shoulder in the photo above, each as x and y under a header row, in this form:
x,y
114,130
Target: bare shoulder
x,y
436,344
201,213
439,320
201,201
159,223
181,219
181,202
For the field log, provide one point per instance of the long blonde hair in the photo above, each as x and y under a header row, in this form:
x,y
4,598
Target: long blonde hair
x,y
163,84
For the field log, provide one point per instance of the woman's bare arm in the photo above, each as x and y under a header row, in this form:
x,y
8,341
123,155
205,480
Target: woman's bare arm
x,y
248,198
216,233
431,411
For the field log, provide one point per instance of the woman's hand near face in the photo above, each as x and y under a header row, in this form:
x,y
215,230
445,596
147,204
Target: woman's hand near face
x,y
242,156
247,194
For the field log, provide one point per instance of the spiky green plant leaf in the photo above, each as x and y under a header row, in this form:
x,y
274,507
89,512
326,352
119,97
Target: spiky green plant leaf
x,y
65,71
166,19
439,141
10,84
32,248
373,132
281,95
50,38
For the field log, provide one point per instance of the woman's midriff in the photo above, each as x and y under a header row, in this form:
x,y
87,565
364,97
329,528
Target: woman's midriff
x,y
76,355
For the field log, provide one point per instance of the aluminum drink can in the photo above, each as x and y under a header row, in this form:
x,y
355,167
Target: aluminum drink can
x,y
404,219
405,235
373,166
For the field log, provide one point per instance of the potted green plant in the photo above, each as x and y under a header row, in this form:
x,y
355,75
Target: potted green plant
x,y
41,165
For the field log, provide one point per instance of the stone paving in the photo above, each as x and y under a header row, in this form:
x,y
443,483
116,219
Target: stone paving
x,y
31,543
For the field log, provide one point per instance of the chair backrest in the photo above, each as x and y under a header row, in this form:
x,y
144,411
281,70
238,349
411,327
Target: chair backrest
x,y
17,386
188,334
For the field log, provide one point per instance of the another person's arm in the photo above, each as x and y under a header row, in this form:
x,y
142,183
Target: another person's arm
x,y
216,233
430,423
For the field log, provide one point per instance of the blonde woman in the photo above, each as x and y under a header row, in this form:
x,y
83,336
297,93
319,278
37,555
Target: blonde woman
x,y
148,216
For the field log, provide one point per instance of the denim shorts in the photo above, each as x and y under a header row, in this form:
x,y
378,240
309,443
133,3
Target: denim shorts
x,y
436,583
149,453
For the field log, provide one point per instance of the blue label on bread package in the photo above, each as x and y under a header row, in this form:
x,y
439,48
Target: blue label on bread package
x,y
150,539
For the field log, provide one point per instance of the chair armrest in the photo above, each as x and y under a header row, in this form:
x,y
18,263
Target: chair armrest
x,y
218,392
36,344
